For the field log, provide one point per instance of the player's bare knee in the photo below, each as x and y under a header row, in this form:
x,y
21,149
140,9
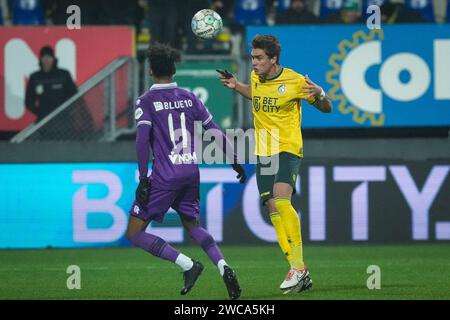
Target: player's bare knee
x,y
129,234
270,206
134,227
192,225
282,190
189,224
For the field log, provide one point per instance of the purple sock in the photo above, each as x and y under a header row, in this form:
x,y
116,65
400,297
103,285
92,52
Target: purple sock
x,y
206,241
155,245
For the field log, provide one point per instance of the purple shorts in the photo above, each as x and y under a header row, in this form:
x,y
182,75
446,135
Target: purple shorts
x,y
185,201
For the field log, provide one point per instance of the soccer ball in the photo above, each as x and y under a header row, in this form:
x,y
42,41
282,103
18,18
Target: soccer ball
x,y
206,24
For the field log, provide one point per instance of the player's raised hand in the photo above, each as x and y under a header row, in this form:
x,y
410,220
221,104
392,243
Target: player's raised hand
x,y
142,192
242,175
227,79
311,89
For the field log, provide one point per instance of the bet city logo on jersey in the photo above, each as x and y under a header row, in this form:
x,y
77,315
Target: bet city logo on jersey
x,y
380,77
265,104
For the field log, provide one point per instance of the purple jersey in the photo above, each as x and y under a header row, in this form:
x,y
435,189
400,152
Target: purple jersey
x,y
169,113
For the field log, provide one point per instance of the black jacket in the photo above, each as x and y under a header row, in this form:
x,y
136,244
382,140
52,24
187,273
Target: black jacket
x,y
48,90
290,17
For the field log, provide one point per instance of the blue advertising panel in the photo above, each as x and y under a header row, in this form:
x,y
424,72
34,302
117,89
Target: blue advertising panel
x,y
78,205
87,205
64,205
396,76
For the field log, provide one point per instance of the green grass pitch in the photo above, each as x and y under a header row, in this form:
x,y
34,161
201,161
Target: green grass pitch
x,y
419,271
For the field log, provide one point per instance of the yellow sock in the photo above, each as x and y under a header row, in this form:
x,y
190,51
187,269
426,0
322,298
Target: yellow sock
x,y
281,235
292,227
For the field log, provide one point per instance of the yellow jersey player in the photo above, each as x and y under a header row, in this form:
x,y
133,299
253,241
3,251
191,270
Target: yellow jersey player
x,y
277,93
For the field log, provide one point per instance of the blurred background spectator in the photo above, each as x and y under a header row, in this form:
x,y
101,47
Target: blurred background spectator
x,y
395,11
118,12
224,9
169,21
250,12
96,12
350,13
56,11
27,12
5,18
48,87
297,13
163,21
328,7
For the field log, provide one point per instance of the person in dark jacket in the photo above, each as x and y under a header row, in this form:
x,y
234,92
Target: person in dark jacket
x,y
49,87
350,13
298,13
396,12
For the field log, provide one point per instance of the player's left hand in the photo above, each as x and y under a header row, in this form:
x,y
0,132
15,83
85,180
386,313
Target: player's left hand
x,y
312,89
242,175
142,192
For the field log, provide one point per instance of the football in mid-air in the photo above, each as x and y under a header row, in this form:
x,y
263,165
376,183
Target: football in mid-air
x,y
206,24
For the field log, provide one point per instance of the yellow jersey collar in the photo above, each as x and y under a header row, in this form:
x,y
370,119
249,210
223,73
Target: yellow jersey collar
x,y
276,76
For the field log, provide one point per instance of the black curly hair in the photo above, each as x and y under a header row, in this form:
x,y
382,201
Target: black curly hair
x,y
162,59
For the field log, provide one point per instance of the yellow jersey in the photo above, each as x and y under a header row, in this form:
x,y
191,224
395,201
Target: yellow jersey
x,y
277,111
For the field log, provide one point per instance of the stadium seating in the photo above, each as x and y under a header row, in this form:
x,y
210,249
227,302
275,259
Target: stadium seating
x,y
424,7
250,12
448,12
328,7
282,5
27,12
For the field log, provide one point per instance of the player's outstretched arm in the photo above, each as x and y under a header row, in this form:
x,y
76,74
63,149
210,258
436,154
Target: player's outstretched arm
x,y
244,89
323,105
228,150
230,81
142,151
322,102
142,142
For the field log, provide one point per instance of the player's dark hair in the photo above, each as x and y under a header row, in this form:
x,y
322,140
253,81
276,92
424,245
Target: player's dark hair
x,y
269,44
162,59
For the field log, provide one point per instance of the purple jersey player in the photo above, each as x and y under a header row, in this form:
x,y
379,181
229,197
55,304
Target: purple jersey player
x,y
165,117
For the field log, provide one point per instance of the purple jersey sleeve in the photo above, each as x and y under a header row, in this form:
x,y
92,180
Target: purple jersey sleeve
x,y
142,113
144,125
203,113
208,123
